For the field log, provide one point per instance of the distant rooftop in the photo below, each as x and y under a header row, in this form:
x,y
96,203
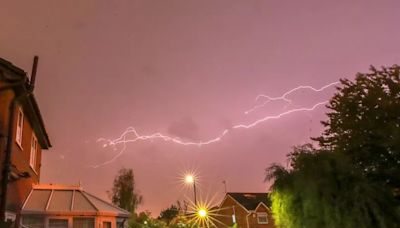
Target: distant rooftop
x,y
250,200
52,199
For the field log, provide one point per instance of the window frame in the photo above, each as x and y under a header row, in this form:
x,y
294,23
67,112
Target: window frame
x,y
69,219
84,217
106,221
33,152
20,127
262,214
30,217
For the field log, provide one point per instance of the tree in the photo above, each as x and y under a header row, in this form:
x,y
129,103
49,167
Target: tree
x,y
364,124
144,220
175,214
322,189
352,179
123,192
168,214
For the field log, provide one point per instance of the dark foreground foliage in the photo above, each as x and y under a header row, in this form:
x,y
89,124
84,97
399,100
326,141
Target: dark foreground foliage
x,y
353,179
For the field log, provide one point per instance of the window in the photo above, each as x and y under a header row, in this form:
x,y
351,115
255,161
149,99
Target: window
x,y
20,127
106,224
58,223
32,160
83,223
33,221
262,218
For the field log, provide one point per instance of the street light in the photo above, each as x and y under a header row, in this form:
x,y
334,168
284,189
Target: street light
x,y
189,179
202,212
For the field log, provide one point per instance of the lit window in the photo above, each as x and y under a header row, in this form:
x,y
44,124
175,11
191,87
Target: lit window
x,y
32,160
262,218
20,127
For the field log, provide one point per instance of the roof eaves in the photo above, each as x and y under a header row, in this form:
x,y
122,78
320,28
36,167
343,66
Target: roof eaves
x,y
12,67
35,107
110,204
31,101
237,202
262,204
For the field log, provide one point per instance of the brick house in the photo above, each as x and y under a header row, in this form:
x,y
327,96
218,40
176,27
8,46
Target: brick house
x,y
22,141
26,202
247,210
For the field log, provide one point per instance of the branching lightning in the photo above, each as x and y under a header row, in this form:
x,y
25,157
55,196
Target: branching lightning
x,y
255,123
131,135
266,99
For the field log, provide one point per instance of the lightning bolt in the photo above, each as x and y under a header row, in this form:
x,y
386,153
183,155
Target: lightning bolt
x,y
131,135
284,97
255,123
136,137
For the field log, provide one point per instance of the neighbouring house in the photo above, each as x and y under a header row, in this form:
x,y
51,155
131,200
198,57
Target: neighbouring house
x,y
23,200
69,206
247,210
23,136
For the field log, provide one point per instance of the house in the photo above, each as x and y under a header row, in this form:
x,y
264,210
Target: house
x,y
64,206
246,210
23,136
23,200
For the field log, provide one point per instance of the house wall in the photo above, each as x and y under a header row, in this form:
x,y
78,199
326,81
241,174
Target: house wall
x,y
253,222
227,209
5,98
98,220
244,218
20,157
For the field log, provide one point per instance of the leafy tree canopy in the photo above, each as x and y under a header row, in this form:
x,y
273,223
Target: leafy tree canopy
x,y
123,192
364,123
324,190
353,179
168,214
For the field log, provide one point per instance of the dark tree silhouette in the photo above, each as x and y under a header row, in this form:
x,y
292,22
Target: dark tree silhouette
x,y
168,214
353,179
124,193
322,189
364,124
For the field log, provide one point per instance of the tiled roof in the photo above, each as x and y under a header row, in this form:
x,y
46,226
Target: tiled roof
x,y
68,200
30,103
250,200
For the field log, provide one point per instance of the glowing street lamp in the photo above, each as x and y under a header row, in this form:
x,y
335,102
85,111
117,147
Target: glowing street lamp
x,y
189,179
202,213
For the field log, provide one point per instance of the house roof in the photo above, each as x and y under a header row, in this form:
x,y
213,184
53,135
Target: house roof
x,y
68,200
31,107
250,201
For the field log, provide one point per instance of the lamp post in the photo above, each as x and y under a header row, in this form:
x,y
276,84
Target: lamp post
x,y
191,180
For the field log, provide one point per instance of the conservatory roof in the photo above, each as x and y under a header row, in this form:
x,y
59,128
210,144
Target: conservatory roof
x,y
68,200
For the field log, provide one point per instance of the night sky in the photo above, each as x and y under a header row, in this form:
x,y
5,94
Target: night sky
x,y
187,69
